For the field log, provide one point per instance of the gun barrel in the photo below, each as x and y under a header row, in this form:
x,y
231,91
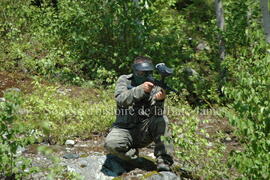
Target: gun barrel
x,y
161,84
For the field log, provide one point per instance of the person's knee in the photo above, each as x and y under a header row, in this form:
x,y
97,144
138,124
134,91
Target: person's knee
x,y
114,146
109,145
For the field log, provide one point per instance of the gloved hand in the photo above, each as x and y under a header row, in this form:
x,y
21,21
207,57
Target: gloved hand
x,y
147,86
161,95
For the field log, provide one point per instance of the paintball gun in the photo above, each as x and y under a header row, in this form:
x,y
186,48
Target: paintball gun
x,y
164,72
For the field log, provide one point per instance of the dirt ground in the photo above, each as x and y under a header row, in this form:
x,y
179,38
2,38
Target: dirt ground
x,y
14,80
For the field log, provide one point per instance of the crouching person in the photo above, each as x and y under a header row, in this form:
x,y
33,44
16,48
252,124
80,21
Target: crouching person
x,y
140,119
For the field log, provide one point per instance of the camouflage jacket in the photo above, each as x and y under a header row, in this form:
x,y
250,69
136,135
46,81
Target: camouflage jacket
x,y
133,104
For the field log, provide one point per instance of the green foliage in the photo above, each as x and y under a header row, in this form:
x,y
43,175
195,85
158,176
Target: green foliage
x,y
60,116
198,152
242,19
13,136
95,41
250,96
56,170
247,88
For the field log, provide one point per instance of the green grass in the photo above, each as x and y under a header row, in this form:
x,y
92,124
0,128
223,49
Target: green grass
x,y
60,116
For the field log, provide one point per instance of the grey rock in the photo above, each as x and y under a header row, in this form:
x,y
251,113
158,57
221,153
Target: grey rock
x,y
70,142
70,169
71,156
60,91
13,89
81,145
2,100
96,167
39,176
20,150
228,139
63,91
83,163
24,70
164,175
101,167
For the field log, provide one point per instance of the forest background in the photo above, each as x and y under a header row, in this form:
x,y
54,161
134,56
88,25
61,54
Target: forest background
x,y
218,50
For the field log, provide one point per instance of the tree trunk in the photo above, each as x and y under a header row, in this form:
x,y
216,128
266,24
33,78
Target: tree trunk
x,y
220,24
265,18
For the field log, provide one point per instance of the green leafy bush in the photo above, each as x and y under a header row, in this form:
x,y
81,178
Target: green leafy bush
x,y
250,115
95,41
247,88
13,136
199,152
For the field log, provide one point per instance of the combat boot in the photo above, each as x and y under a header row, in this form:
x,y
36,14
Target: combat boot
x,y
163,165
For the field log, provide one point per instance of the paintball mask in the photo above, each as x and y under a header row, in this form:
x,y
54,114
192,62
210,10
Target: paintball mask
x,y
141,71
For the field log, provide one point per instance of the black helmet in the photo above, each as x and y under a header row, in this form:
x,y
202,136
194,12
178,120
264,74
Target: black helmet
x,y
143,66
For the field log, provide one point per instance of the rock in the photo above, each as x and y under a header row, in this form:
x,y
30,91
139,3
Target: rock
x,y
2,100
100,167
81,145
24,70
96,167
20,150
70,142
70,169
228,139
60,91
39,176
71,156
83,164
13,89
63,91
164,175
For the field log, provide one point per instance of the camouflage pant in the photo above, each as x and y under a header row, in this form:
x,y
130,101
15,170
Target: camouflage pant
x,y
119,141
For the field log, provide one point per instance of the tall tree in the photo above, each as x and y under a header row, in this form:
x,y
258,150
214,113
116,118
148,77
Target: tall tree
x,y
220,24
265,18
